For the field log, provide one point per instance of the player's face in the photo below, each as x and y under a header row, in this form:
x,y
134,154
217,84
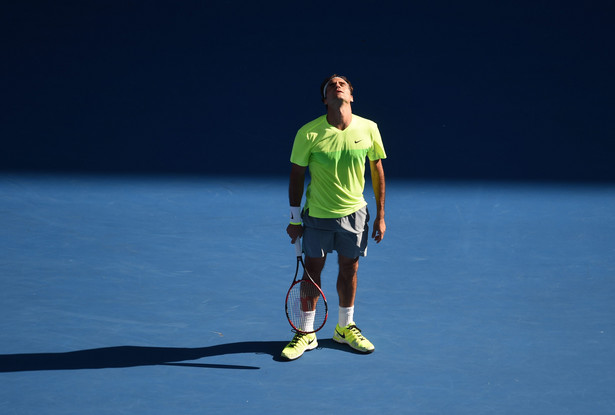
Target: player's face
x,y
338,89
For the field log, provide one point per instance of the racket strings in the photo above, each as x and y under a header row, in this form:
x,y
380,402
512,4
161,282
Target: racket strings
x,y
306,307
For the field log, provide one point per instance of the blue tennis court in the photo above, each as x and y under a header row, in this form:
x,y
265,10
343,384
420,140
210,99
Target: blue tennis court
x,y
164,295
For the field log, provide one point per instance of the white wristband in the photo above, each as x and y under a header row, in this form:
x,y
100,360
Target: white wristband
x,y
295,215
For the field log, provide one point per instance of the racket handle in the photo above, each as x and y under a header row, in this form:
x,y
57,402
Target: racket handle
x,y
298,247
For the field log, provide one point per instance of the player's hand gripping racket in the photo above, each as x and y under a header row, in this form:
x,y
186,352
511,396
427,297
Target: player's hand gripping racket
x,y
306,305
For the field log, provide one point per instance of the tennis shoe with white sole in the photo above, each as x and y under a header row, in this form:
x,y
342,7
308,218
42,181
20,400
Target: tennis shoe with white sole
x,y
299,344
351,335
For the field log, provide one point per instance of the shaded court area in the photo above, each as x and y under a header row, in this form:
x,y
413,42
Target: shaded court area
x,y
164,295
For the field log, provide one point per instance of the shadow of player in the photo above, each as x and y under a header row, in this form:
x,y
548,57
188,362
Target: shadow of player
x,y
132,356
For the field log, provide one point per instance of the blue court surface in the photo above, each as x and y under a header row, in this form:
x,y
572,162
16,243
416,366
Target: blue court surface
x,y
165,295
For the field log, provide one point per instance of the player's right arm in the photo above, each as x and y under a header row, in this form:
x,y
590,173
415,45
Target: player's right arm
x,y
295,194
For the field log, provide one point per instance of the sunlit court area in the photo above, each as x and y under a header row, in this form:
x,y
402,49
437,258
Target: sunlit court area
x,y
165,293
144,200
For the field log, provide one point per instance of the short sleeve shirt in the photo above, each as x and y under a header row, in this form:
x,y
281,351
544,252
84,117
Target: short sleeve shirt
x,y
336,161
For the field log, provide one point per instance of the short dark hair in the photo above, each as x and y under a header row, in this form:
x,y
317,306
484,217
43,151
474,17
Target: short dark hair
x,y
326,81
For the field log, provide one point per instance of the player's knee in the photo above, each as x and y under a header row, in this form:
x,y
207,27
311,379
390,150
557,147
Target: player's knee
x,y
348,268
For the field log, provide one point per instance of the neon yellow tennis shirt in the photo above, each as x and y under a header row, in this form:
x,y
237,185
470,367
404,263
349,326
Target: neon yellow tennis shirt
x,y
336,161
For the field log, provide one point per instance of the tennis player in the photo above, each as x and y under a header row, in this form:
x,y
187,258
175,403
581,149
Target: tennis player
x,y
334,147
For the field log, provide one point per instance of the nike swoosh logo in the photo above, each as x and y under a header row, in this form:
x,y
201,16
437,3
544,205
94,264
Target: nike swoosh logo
x,y
358,141
340,334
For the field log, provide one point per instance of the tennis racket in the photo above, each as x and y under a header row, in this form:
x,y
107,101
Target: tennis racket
x,y
306,304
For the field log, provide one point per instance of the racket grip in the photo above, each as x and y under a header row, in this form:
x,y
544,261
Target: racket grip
x,y
298,247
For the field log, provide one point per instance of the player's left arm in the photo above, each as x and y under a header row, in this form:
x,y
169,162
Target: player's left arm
x,y
378,183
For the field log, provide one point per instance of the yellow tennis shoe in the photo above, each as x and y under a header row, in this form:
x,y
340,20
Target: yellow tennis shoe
x,y
351,335
298,345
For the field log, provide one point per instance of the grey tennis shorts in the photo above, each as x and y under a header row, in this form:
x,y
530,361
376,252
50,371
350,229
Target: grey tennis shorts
x,y
347,235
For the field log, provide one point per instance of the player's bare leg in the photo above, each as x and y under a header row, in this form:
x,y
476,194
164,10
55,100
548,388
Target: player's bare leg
x,y
314,267
346,330
347,280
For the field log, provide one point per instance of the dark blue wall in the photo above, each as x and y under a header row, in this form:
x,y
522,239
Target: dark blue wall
x,y
463,90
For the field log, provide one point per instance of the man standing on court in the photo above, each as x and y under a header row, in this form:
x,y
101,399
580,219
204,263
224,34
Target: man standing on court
x,y
335,217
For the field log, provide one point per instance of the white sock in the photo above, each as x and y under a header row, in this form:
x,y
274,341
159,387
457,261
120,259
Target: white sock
x,y
346,316
307,320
